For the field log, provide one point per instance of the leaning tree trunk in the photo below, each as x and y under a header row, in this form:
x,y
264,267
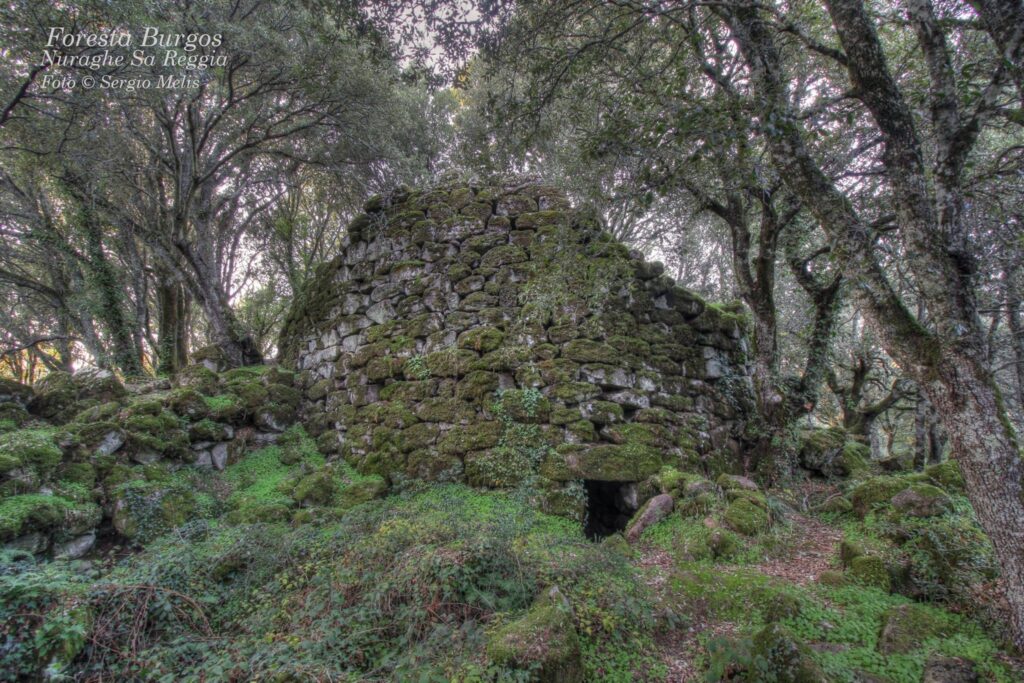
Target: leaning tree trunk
x,y
225,331
987,450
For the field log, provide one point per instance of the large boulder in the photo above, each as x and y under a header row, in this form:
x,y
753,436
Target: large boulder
x,y
870,570
922,500
55,397
14,392
876,491
143,510
653,511
832,453
60,396
746,516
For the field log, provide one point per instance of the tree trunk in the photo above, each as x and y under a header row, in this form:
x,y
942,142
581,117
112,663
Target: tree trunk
x,y
947,365
225,330
986,447
922,445
874,438
173,350
208,288
127,355
1016,333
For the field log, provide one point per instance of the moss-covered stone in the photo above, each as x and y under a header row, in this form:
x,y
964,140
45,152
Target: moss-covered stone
x,y
849,551
208,430
609,462
36,513
476,386
82,473
12,391
853,459
698,505
735,482
143,510
543,641
946,475
449,362
362,491
922,500
163,435
316,488
875,491
724,544
589,351
831,577
574,392
744,516
445,410
837,505
200,378
187,403
523,405
29,448
250,393
104,412
55,397
870,570
503,255
777,655
906,627
212,357
225,408
481,339
602,412
12,416
475,437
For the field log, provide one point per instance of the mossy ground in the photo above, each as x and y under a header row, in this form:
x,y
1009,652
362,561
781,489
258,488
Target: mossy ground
x,y
287,565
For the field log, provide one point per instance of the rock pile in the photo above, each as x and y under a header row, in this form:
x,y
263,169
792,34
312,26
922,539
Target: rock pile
x,y
81,454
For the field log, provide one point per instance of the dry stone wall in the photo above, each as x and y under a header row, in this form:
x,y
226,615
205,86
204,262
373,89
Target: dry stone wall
x,y
494,334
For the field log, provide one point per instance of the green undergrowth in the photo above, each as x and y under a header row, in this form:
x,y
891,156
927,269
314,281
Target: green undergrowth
x,y
406,587
843,625
256,479
688,539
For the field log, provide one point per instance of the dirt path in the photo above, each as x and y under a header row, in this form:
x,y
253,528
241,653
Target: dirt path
x,y
814,552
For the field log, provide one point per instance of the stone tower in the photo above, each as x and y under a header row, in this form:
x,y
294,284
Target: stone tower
x,y
494,335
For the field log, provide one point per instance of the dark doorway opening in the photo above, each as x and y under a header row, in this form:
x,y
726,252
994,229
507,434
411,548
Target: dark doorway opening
x,y
610,506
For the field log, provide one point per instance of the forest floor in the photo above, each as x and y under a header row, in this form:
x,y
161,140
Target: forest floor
x,y
682,651
724,598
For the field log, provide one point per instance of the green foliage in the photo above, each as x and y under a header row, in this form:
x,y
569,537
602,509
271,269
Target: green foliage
x,y
44,622
399,587
31,448
847,618
416,367
256,480
32,512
